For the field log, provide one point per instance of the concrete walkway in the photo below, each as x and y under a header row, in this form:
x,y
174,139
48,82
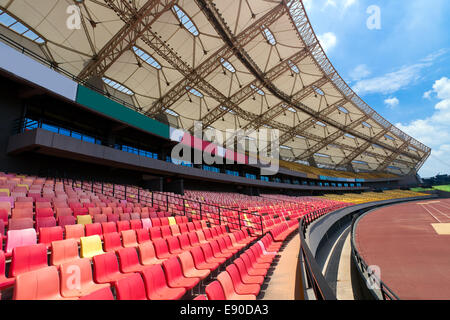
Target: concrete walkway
x,y
281,285
344,288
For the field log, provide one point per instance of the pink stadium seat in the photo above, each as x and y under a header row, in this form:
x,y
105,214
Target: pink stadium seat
x,y
18,238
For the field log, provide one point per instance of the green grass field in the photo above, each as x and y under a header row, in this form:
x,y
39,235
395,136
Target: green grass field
x,y
443,188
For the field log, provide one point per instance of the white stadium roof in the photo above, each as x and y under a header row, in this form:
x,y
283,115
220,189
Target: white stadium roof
x,y
228,63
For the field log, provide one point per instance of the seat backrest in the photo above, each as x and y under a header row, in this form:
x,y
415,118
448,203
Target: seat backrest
x,y
173,244
193,238
172,221
100,218
20,223
183,228
45,222
146,223
128,257
75,275
18,238
198,256
105,265
28,258
161,247
187,262
112,241
175,230
42,284
172,269
90,246
64,251
214,291
63,212
166,232
235,275
84,219
227,284
75,231
123,225
47,235
130,288
155,233
93,229
135,224
185,244
109,227
156,222
135,216
146,253
142,235
44,212
129,238
94,211
112,217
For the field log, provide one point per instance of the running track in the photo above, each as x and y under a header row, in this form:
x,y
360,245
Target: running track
x,y
400,239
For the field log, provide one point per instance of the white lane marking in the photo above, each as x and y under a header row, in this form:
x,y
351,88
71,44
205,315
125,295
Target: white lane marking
x,y
431,213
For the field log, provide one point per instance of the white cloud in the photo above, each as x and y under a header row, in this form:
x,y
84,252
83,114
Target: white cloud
x,y
328,41
427,95
391,82
434,131
392,102
360,72
400,79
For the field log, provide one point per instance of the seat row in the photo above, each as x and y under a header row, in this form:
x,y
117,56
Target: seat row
x,y
46,235
182,271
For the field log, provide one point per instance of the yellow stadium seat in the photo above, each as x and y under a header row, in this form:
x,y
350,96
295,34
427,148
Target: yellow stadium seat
x,y
24,185
172,221
86,219
91,246
5,190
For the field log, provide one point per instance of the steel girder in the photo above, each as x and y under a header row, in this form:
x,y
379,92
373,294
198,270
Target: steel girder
x,y
248,90
136,23
194,77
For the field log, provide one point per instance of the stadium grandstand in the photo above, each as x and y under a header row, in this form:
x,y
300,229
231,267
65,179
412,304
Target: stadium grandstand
x,y
96,96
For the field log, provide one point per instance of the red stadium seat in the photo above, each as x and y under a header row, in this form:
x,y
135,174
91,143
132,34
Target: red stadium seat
x,y
129,238
100,295
175,277
48,235
214,291
112,242
106,268
130,288
5,282
156,285
229,290
129,260
239,286
28,258
188,266
123,225
142,236
162,249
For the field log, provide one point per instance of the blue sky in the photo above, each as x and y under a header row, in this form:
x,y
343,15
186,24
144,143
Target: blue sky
x,y
402,69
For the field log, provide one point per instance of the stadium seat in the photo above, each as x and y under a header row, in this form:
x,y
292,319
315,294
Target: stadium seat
x,y
229,290
162,249
130,288
200,262
94,229
75,231
90,246
188,267
100,218
84,219
155,233
20,223
112,242
28,258
5,282
214,291
175,229
18,238
45,222
100,295
147,254
77,280
48,235
129,260
142,236
239,286
146,223
109,227
175,277
64,251
166,232
42,284
209,256
245,277
112,217
106,268
66,220
217,252
156,285
123,225
129,238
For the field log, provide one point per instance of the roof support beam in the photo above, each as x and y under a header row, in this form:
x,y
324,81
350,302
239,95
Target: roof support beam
x,y
392,157
136,22
196,76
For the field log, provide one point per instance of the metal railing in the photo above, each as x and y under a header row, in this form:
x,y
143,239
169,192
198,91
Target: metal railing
x,y
174,204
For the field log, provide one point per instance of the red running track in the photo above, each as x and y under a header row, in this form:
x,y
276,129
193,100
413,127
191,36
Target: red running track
x,y
414,260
